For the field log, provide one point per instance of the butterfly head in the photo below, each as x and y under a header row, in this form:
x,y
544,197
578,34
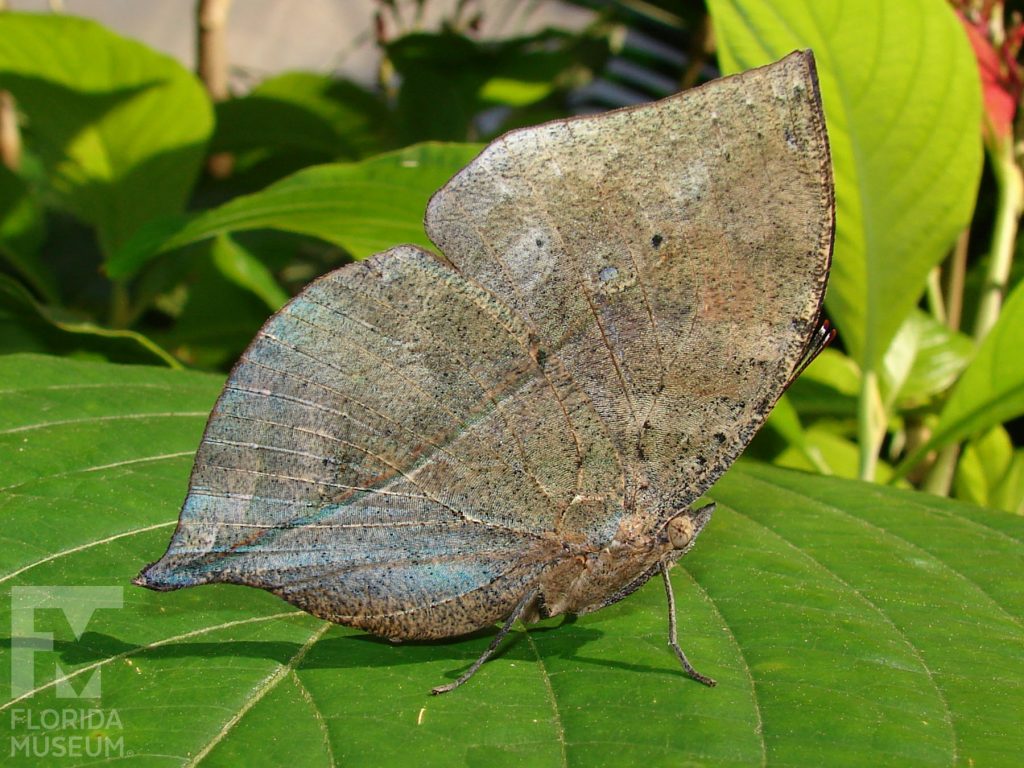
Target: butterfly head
x,y
683,529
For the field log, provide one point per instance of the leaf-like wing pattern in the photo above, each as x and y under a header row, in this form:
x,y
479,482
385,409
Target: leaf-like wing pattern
x,y
673,256
415,443
389,440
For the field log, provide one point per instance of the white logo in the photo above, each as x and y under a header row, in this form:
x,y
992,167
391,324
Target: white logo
x,y
78,605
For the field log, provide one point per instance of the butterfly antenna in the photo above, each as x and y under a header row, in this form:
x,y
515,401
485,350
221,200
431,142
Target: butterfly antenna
x,y
821,339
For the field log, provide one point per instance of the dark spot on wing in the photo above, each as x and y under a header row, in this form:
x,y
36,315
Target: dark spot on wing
x,y
640,444
657,240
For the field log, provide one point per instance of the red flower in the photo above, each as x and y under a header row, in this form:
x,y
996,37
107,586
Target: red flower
x,y
995,49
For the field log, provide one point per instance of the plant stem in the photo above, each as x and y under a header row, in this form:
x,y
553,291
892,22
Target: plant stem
x,y
10,136
939,479
871,424
955,276
211,46
120,305
702,46
1009,204
936,303
212,66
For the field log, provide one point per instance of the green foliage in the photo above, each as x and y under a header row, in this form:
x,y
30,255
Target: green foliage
x,y
364,207
846,623
447,80
905,145
28,326
922,361
120,130
991,472
991,390
319,118
21,233
905,149
240,267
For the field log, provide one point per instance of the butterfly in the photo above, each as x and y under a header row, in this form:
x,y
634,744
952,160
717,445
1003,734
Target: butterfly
x,y
422,445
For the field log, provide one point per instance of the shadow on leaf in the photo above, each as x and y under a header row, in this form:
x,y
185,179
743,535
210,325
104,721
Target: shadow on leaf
x,y
355,650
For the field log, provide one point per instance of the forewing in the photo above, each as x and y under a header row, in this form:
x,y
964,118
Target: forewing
x,y
672,256
389,453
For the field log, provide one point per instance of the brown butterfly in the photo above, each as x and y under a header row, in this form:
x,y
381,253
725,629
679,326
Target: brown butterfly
x,y
422,445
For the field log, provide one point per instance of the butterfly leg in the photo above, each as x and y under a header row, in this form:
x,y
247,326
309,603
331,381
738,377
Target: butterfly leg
x,y
512,619
672,638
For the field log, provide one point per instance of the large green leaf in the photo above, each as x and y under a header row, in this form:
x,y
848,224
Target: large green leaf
x,y
902,103
847,624
365,207
991,389
121,129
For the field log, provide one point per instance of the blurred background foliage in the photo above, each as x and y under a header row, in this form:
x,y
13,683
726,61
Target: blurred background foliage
x,y
148,215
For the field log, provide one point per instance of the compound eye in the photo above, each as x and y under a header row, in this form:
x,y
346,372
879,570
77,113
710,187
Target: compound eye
x,y
680,531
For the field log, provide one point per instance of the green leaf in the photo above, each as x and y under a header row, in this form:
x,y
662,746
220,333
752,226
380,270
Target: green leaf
x,y
121,129
847,624
515,93
446,79
827,451
785,420
28,326
441,77
246,271
305,112
983,465
364,207
1009,492
903,108
923,360
991,389
828,387
532,68
219,316
21,234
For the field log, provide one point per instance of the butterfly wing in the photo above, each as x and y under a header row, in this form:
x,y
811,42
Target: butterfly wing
x,y
389,453
672,256
407,446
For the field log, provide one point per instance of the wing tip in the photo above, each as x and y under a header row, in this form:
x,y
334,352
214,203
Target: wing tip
x,y
165,576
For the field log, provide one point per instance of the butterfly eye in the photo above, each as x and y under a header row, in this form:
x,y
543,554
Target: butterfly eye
x,y
680,531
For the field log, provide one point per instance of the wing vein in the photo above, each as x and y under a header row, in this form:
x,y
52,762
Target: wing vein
x,y
442,342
